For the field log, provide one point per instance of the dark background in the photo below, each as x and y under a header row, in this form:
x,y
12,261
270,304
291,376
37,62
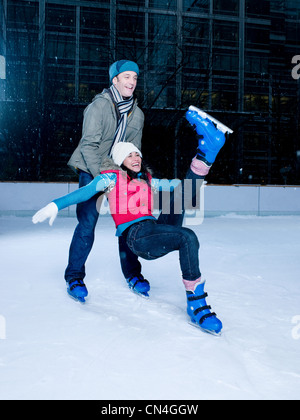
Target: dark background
x,y
231,57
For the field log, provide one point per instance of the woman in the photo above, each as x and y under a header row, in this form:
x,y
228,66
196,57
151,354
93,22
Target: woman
x,y
129,185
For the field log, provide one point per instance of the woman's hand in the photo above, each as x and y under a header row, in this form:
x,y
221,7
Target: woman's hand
x,y
48,212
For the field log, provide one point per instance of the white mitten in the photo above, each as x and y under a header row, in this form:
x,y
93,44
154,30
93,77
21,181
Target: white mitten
x,y
48,212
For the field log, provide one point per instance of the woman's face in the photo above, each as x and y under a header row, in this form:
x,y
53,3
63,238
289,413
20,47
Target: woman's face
x,y
133,162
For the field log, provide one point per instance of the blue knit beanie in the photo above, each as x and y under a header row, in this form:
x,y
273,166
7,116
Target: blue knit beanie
x,y
121,66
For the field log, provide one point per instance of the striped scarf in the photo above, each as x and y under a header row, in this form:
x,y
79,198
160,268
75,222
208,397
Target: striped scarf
x,y
124,106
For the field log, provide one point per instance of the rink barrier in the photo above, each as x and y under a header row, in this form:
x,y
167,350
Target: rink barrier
x,y
22,198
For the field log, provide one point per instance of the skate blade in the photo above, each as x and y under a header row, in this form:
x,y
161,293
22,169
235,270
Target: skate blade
x,y
143,295
220,126
194,324
76,298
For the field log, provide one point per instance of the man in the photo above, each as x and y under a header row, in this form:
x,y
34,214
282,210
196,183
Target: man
x,y
112,117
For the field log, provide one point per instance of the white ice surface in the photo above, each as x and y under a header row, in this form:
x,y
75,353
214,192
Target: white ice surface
x,y
121,346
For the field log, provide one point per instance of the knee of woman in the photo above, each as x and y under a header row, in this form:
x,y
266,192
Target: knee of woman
x,y
191,237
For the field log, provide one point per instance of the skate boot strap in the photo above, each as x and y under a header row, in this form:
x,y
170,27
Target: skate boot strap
x,y
192,298
138,284
75,283
133,281
204,317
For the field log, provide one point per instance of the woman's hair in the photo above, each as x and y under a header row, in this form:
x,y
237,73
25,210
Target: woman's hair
x,y
143,174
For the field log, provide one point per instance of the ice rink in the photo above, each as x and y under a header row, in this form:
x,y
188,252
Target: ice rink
x,y
121,346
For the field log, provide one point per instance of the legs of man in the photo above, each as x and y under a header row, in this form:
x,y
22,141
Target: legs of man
x,y
129,261
83,238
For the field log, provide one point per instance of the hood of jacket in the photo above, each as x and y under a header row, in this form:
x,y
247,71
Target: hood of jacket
x,y
108,164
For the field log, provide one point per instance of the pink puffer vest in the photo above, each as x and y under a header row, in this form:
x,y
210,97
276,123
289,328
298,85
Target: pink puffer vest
x,y
130,199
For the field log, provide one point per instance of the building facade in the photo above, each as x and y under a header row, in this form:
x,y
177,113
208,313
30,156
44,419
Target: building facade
x,y
230,57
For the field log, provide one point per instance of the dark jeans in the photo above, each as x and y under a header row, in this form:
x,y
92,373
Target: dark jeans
x,y
129,261
130,264
150,240
83,238
84,235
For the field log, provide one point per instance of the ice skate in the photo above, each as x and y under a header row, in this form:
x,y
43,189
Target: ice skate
x,y
139,285
200,313
211,139
77,290
220,126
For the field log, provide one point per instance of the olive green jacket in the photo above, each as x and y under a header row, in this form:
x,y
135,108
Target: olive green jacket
x,y
99,127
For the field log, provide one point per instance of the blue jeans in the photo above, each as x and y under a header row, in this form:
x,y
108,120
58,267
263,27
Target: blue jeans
x,y
151,240
83,238
84,235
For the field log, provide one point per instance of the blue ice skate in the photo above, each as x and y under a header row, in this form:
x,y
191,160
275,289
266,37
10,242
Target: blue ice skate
x,y
77,290
200,313
211,134
139,285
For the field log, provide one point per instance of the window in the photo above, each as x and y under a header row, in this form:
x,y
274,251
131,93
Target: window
x,y
163,4
94,22
162,28
225,94
195,90
22,15
226,33
22,45
60,18
60,84
195,30
195,60
226,62
92,82
258,8
130,25
60,49
22,81
201,6
134,51
257,37
256,96
162,57
161,94
138,3
256,64
94,52
226,7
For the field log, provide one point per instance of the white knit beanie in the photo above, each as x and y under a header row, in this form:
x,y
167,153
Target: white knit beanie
x,y
122,150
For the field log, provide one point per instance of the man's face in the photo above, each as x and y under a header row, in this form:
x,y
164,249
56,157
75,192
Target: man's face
x,y
126,83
